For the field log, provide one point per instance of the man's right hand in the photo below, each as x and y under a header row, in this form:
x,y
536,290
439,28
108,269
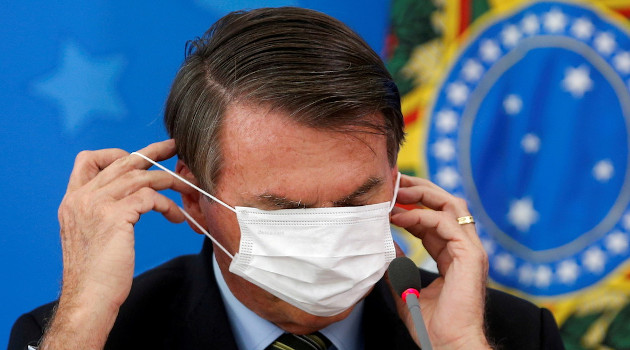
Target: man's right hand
x,y
107,192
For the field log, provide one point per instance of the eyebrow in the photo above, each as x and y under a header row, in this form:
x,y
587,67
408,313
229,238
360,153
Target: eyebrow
x,y
371,184
282,202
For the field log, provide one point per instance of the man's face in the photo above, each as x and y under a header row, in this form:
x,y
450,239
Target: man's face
x,y
271,162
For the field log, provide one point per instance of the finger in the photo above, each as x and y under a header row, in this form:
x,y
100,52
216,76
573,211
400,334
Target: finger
x,y
436,229
88,164
147,199
437,201
156,151
443,238
416,190
420,221
432,196
134,180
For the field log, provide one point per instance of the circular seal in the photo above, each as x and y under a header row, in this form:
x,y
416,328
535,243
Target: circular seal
x,y
532,126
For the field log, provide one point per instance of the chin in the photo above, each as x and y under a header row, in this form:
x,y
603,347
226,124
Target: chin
x,y
284,315
301,322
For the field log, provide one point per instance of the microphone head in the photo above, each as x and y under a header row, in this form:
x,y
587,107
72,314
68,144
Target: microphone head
x,y
404,274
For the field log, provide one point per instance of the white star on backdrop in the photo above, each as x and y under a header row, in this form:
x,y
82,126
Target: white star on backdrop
x,y
446,121
621,61
554,21
489,50
522,214
577,81
444,149
447,177
472,70
83,85
568,271
526,275
594,260
543,276
617,242
530,143
512,104
530,24
582,28
488,245
603,170
504,263
510,36
457,93
605,43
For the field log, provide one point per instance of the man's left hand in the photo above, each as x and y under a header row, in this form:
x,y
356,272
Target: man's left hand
x,y
453,304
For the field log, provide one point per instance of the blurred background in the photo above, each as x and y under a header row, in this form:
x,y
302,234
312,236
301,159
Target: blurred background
x,y
521,107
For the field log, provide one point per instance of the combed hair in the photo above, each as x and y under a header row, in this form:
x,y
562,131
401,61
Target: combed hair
x,y
301,62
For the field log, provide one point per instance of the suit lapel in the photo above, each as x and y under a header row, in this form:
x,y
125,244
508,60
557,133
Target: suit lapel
x,y
206,324
382,328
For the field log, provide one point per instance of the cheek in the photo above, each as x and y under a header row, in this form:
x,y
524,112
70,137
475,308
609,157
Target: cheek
x,y
222,225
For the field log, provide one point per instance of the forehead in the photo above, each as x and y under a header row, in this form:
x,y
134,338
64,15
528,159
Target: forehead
x,y
265,151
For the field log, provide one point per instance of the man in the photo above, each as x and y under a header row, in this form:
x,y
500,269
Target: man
x,y
276,114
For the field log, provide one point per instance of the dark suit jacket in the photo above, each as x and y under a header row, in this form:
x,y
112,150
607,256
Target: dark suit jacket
x,y
178,306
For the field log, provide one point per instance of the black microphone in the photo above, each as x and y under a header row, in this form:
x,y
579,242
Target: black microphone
x,y
405,278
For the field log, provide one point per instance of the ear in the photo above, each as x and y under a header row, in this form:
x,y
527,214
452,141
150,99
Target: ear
x,y
191,199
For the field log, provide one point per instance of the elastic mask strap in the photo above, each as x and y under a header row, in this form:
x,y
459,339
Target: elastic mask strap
x,y
184,180
198,189
396,188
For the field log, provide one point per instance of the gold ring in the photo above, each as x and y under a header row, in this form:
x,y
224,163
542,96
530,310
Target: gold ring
x,y
465,220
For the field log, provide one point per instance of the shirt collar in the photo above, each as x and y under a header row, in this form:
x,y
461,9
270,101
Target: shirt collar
x,y
253,332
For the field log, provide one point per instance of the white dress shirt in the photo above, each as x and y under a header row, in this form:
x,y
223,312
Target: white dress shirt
x,y
253,332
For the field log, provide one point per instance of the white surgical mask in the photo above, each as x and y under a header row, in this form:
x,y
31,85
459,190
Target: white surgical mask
x,y
320,260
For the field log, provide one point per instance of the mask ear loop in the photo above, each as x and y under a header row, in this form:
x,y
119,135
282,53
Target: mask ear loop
x,y
182,209
396,188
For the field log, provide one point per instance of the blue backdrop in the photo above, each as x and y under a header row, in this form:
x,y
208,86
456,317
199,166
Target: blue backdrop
x,y
89,75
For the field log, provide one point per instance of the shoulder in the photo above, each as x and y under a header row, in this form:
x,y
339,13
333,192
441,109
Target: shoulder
x,y
29,328
164,279
156,302
512,322
150,290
